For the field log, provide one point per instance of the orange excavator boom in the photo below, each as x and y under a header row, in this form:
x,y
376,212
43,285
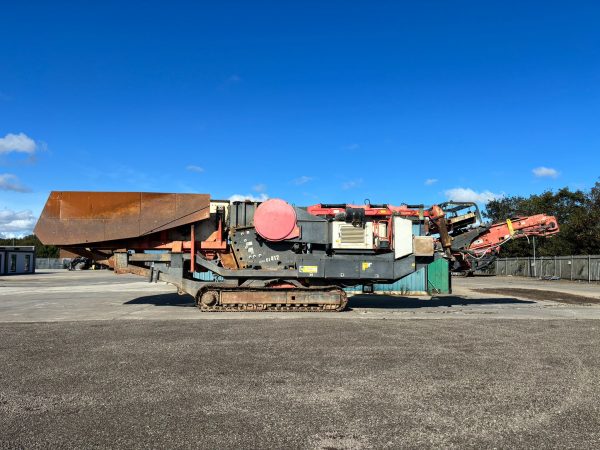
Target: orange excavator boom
x,y
477,248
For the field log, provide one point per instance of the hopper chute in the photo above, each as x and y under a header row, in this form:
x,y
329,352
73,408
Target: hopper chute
x,y
82,218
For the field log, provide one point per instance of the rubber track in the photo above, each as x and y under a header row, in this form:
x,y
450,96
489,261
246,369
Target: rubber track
x,y
271,307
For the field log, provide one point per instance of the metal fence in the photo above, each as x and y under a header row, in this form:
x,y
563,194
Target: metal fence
x,y
51,263
582,267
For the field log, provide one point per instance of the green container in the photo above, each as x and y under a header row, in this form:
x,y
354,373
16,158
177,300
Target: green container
x,y
438,277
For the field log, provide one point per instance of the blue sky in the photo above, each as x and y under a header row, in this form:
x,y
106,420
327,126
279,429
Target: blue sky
x,y
308,101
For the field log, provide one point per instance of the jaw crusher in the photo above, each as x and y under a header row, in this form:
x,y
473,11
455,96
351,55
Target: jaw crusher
x,y
262,256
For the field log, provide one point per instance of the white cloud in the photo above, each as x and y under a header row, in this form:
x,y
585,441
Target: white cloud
x,y
17,143
430,181
469,195
196,169
10,182
234,79
545,172
352,147
302,180
351,183
241,197
16,223
259,187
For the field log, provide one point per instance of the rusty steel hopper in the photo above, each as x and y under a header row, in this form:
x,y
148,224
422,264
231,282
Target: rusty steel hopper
x,y
78,218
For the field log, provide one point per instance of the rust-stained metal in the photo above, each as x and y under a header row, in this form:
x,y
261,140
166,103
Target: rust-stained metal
x,y
215,240
193,249
135,270
150,257
79,218
282,297
228,260
177,247
218,297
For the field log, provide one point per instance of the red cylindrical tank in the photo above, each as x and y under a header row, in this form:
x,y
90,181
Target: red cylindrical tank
x,y
275,220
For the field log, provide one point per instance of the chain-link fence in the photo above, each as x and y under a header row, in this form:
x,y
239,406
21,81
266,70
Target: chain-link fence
x,y
52,263
582,267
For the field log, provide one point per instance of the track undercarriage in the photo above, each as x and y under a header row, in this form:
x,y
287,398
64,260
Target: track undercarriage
x,y
216,297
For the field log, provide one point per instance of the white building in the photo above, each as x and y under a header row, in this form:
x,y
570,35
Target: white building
x,y
15,260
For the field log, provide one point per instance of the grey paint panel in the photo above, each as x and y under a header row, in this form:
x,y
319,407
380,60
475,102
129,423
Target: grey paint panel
x,y
404,266
311,267
376,270
343,269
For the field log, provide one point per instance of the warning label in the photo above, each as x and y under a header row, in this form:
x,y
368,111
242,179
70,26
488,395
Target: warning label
x,y
308,269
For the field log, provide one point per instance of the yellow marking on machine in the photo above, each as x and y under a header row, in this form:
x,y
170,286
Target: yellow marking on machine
x,y
509,224
308,269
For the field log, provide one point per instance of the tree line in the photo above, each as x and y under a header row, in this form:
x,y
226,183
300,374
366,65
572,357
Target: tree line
x,y
577,212
41,250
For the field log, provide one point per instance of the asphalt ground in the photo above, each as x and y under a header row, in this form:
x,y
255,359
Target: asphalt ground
x,y
283,381
101,295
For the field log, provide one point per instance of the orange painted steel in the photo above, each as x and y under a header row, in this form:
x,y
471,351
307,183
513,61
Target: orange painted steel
x,y
497,234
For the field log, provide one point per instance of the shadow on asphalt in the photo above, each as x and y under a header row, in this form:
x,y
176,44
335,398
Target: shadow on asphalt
x,y
394,302
356,301
163,300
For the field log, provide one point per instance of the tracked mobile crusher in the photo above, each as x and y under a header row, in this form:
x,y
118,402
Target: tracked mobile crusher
x,y
265,255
